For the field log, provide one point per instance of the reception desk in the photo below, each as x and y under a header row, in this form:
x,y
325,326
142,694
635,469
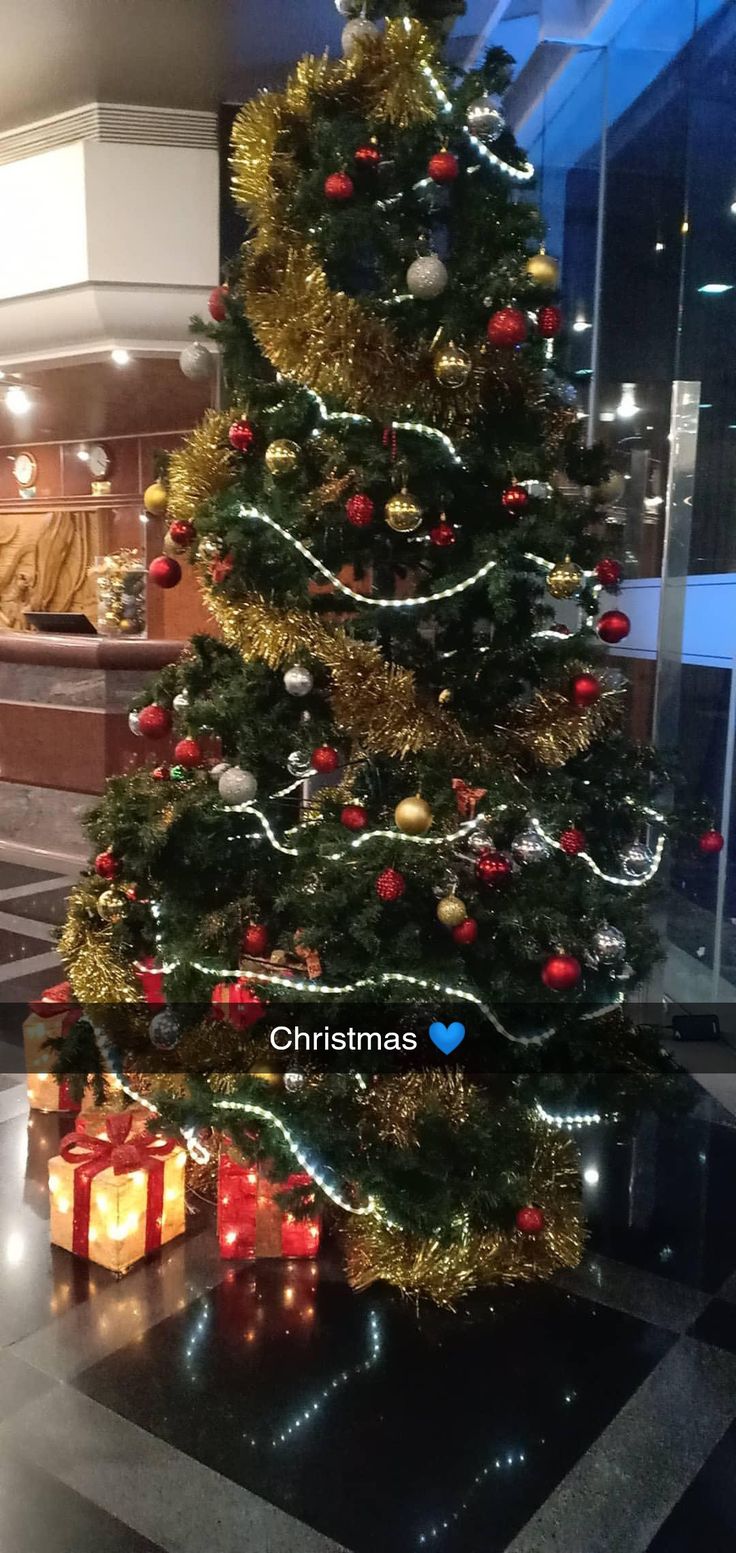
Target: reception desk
x,y
64,730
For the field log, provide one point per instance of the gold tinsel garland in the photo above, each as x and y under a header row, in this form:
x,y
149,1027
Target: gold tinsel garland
x,y
204,466
96,972
552,728
395,1103
447,1270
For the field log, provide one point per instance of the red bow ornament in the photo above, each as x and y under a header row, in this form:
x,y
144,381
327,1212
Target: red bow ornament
x,y
467,798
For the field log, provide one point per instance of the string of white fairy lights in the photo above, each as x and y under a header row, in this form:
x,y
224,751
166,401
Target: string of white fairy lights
x,y
520,174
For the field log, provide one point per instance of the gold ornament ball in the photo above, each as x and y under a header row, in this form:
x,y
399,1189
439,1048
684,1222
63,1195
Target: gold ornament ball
x,y
444,698
451,911
543,270
610,490
451,366
413,816
156,499
111,905
403,512
282,457
169,547
565,579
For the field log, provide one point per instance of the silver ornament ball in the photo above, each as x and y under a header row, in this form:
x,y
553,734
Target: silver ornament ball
x,y
298,681
485,117
293,1081
637,860
298,763
196,362
426,277
134,724
181,701
237,786
478,840
529,847
219,770
607,944
355,34
164,1030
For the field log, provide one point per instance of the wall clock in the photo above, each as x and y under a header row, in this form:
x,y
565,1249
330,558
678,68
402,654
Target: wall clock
x,y
99,461
25,470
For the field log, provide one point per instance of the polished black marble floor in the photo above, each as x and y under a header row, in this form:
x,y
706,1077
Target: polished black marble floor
x,y
704,1520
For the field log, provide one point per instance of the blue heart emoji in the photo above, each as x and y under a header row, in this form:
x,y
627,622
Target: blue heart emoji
x,y
447,1037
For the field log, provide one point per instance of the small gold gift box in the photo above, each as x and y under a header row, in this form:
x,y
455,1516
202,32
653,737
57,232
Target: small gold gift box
x,y
118,1199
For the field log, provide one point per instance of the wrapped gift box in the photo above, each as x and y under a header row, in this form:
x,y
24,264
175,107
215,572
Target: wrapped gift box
x,y
115,1200
51,1016
93,1121
250,1222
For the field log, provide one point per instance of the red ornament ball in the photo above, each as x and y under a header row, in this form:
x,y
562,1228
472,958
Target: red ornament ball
x,y
466,932
573,841
507,328
217,303
549,322
165,571
492,868
255,939
353,816
242,435
390,885
585,689
442,534
609,572
182,532
154,721
613,626
161,773
515,498
359,510
107,866
530,1220
325,758
188,752
367,157
711,841
339,187
443,167
561,972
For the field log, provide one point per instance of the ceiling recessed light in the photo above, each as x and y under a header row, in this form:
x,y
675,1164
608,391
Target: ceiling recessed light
x,y
83,453
17,400
659,247
592,1175
120,356
714,288
581,323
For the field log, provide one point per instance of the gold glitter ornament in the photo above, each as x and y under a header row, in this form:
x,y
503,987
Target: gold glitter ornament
x,y
413,816
451,911
452,366
282,457
111,905
156,499
543,270
565,579
403,512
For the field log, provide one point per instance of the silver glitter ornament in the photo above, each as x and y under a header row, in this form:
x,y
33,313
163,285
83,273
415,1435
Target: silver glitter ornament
x,y
485,117
427,277
164,1030
196,362
293,1081
181,701
477,840
298,763
298,681
607,945
356,33
637,860
134,724
237,786
529,847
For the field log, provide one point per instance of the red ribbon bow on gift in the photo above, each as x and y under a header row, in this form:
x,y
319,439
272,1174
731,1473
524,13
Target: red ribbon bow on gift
x,y
123,1153
467,798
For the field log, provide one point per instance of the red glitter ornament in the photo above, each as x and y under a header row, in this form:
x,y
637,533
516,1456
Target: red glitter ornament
x,y
515,498
585,689
613,626
609,572
242,435
573,841
507,328
492,868
711,841
442,534
325,758
530,1220
182,532
549,322
561,972
161,773
359,510
443,167
367,158
217,303
187,752
107,866
255,939
390,885
353,817
466,932
165,571
154,721
339,187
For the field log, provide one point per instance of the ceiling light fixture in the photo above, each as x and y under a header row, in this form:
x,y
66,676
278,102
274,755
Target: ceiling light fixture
x,y
714,288
627,406
120,356
83,453
581,323
17,400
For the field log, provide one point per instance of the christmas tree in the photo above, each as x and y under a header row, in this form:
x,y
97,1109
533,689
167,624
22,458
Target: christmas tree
x,y
399,780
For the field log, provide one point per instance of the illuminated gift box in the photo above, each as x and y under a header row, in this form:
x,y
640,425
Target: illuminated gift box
x,y
116,1200
251,1223
52,1015
93,1122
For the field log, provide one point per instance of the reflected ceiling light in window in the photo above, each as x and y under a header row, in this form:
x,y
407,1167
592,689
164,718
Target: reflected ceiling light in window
x,y
659,246
714,288
120,356
17,400
591,1175
627,406
685,228
83,454
733,207
581,323
608,415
